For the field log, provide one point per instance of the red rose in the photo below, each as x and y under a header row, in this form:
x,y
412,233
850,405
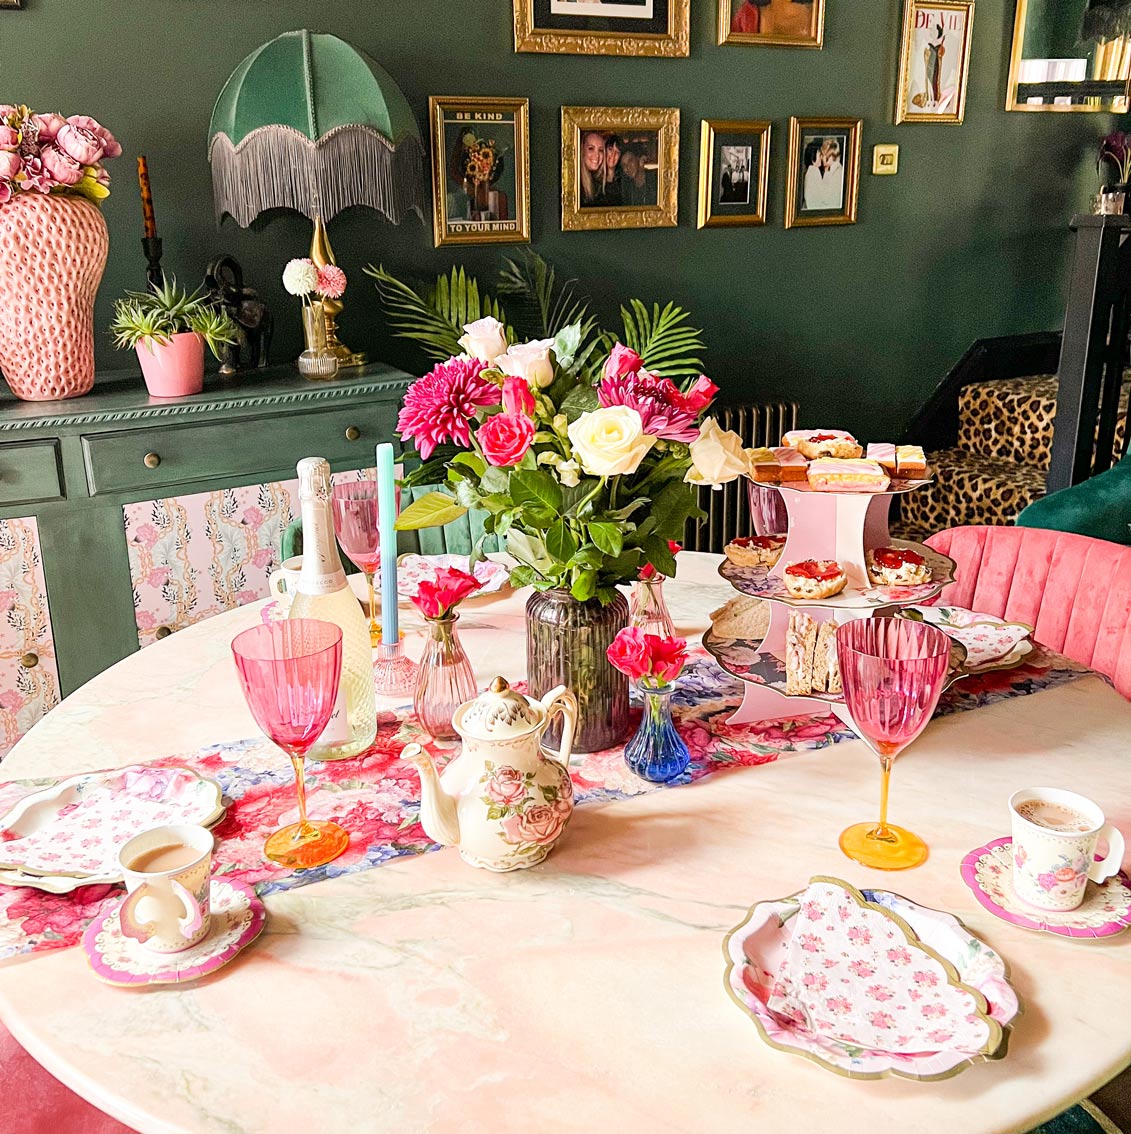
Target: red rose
x,y
505,437
668,657
438,597
700,396
629,652
622,361
517,397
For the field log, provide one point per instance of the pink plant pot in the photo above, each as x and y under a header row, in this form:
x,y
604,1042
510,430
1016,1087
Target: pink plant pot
x,y
52,253
174,369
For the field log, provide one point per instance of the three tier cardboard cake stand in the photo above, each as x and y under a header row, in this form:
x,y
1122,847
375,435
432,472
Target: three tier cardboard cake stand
x,y
822,525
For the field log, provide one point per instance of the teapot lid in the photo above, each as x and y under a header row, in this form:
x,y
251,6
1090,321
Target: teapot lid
x,y
498,713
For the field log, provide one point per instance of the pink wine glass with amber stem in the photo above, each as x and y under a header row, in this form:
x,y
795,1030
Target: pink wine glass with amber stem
x,y
355,524
290,672
893,671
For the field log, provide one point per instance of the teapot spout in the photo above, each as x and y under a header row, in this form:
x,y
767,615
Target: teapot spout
x,y
437,809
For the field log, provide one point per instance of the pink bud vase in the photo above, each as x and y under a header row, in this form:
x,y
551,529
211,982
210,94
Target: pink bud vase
x,y
52,253
173,369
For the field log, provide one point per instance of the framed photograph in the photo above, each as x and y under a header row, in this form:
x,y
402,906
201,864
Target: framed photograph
x,y
934,62
480,170
11,3
620,167
603,27
734,161
781,23
824,171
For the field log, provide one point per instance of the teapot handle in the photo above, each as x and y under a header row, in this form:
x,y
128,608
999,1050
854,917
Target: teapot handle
x,y
561,700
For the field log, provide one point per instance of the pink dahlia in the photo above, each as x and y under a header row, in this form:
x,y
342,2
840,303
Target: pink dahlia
x,y
439,406
331,281
662,407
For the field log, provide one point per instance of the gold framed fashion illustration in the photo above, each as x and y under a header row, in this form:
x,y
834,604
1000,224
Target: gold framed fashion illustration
x,y
734,161
772,23
603,27
480,170
620,167
823,178
934,61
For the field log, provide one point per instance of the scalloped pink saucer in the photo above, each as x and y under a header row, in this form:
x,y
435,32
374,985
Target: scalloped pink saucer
x,y
238,917
1106,909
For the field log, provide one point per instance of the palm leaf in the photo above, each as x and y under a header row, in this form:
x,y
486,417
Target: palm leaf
x,y
662,339
546,306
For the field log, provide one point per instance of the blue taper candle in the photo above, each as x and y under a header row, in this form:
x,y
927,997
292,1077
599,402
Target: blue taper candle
x,y
387,518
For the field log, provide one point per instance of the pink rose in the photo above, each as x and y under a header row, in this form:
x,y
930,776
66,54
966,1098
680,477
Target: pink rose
x,y
6,109
700,396
62,167
9,138
505,438
7,600
622,361
10,165
48,126
157,577
244,597
517,397
147,534
542,823
669,656
252,517
79,143
629,652
506,785
145,619
109,143
5,192
36,177
437,597
11,700
262,557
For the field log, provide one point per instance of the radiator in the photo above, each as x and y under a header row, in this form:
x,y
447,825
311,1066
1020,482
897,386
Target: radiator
x,y
728,508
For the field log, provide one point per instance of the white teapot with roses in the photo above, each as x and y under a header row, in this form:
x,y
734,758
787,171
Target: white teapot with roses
x,y
502,801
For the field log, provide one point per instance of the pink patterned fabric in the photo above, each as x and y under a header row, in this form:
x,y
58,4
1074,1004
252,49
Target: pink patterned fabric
x,y
1075,591
52,254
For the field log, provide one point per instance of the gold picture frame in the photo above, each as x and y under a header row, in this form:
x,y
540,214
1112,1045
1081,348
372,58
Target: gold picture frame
x,y
505,219
778,18
593,38
955,22
650,134
719,203
811,150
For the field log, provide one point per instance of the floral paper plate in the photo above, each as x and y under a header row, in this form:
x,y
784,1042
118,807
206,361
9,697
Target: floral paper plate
x,y
1105,911
756,950
74,829
990,642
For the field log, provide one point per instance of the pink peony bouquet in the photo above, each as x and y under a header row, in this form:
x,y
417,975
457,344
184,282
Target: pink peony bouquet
x,y
584,469
647,658
47,153
438,597
302,277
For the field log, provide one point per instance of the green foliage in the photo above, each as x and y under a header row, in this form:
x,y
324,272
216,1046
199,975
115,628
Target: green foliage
x,y
155,316
662,340
430,511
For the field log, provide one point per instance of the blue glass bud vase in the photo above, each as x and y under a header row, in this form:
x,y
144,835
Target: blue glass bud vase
x,y
657,751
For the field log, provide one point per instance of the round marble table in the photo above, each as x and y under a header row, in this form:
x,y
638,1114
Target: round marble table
x,y
425,995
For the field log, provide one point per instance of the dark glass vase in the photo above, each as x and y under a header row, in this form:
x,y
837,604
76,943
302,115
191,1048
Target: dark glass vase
x,y
566,642
657,752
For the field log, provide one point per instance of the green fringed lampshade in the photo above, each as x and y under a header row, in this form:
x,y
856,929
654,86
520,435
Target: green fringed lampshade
x,y
309,122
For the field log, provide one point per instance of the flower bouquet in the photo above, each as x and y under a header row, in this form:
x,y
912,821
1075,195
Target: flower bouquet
x,y
314,285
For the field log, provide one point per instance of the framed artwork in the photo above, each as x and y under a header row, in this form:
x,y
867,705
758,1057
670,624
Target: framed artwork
x,y
603,27
11,3
480,170
781,23
620,167
934,61
734,161
824,171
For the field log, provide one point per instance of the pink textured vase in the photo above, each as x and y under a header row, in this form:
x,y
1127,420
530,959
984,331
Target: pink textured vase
x,y
52,254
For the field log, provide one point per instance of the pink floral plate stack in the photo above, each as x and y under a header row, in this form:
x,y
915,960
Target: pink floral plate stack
x,y
869,984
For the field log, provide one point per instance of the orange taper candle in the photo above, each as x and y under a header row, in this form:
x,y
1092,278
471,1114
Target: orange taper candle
x,y
146,198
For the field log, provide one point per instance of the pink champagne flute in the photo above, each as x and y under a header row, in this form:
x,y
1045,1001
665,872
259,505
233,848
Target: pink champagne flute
x,y
893,671
290,673
355,523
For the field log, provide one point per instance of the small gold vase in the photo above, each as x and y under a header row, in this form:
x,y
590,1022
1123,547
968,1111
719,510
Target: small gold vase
x,y
316,362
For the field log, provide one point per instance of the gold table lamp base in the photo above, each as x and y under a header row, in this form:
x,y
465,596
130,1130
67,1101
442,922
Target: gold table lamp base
x,y
322,254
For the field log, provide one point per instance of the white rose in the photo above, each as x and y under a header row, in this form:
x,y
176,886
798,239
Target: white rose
x,y
717,457
568,473
484,339
610,441
530,361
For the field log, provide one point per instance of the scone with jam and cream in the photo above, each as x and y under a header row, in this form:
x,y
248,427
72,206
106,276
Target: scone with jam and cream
x,y
755,551
897,567
814,579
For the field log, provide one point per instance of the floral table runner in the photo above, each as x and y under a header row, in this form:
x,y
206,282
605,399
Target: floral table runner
x,y
376,796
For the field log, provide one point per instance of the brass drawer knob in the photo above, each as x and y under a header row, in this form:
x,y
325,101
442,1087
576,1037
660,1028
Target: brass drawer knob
x,y
162,632
352,433
29,661
151,460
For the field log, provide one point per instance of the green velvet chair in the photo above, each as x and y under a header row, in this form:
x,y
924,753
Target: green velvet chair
x,y
1099,507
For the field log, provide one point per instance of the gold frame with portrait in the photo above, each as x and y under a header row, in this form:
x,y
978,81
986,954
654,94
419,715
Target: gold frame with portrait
x,y
902,111
620,119
440,108
675,44
854,128
815,40
708,218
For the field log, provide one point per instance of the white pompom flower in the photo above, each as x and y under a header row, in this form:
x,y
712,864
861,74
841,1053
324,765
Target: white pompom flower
x,y
300,277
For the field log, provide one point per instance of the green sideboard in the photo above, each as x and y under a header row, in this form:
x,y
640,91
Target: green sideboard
x,y
125,517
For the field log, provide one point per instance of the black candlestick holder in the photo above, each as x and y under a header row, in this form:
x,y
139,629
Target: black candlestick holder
x,y
151,245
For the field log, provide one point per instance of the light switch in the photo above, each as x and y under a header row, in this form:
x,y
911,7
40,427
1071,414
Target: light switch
x,y
885,160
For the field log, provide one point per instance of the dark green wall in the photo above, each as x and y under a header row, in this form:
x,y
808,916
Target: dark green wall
x,y
857,322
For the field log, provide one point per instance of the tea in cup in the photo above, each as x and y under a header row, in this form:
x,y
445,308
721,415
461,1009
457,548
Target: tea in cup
x,y
1055,833
167,872
283,583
